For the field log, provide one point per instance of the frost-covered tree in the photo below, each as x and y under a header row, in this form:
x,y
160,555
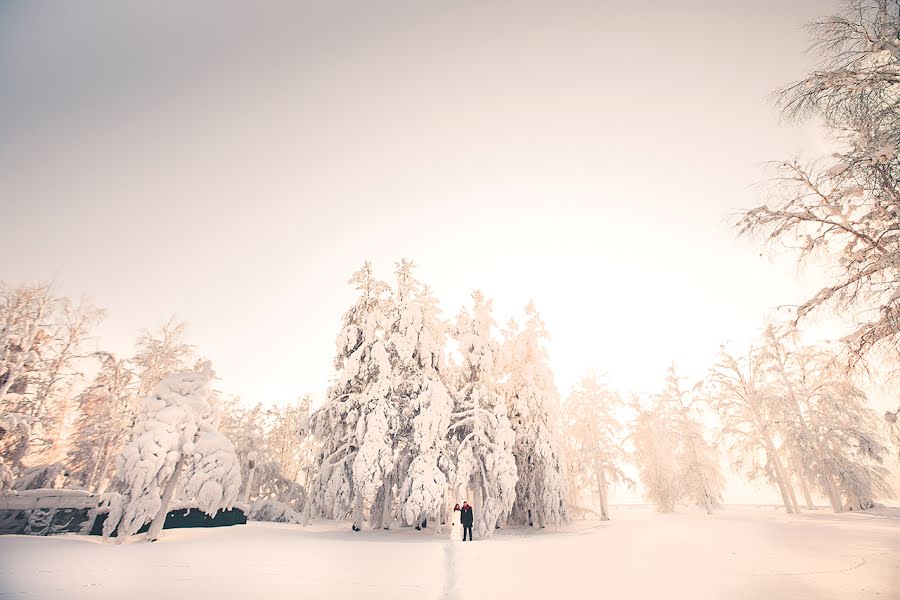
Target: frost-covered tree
x,y
595,436
59,358
532,403
276,441
699,473
415,337
831,437
354,424
106,412
291,449
676,462
479,426
654,437
246,427
383,428
160,353
176,430
846,207
42,336
737,390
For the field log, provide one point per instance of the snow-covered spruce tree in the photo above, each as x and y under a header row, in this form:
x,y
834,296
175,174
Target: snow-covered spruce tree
x,y
106,410
354,424
416,336
737,391
847,207
175,431
700,477
532,403
654,437
596,451
479,427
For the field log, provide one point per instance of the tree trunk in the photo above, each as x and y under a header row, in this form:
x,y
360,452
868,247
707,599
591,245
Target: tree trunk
x,y
834,494
246,498
388,502
169,491
358,512
604,504
804,489
786,491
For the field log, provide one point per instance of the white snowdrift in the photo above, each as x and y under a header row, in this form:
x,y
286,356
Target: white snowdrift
x,y
744,553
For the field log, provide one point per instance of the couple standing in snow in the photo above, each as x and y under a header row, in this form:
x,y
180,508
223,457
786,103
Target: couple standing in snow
x,y
466,518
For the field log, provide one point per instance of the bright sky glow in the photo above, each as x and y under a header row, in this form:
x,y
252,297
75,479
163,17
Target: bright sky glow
x,y
232,165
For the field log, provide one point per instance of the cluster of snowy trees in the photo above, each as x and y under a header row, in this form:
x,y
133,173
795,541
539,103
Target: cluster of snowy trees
x,y
273,443
793,414
409,427
75,416
42,339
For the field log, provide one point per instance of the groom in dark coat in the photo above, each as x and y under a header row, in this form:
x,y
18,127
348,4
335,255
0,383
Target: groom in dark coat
x,y
466,518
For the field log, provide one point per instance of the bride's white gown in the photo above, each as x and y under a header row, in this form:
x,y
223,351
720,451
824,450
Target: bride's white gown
x,y
456,528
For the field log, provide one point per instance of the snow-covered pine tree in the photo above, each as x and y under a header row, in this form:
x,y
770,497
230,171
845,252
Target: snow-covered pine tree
x,y
416,338
595,439
479,427
353,425
532,403
175,428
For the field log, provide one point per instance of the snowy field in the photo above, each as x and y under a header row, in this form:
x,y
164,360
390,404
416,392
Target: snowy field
x,y
737,553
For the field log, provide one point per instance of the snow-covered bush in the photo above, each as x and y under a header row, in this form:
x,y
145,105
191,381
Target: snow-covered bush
x,y
274,512
176,428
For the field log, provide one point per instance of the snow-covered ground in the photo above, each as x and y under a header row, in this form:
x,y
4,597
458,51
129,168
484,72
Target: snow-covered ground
x,y
739,553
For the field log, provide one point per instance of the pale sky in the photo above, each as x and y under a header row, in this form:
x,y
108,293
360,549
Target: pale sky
x,y
233,163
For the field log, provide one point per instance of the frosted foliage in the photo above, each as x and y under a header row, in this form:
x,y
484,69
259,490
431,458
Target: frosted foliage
x,y
799,409
16,428
480,427
7,476
653,443
175,423
274,512
533,406
426,486
213,476
676,463
844,207
353,424
383,428
594,440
